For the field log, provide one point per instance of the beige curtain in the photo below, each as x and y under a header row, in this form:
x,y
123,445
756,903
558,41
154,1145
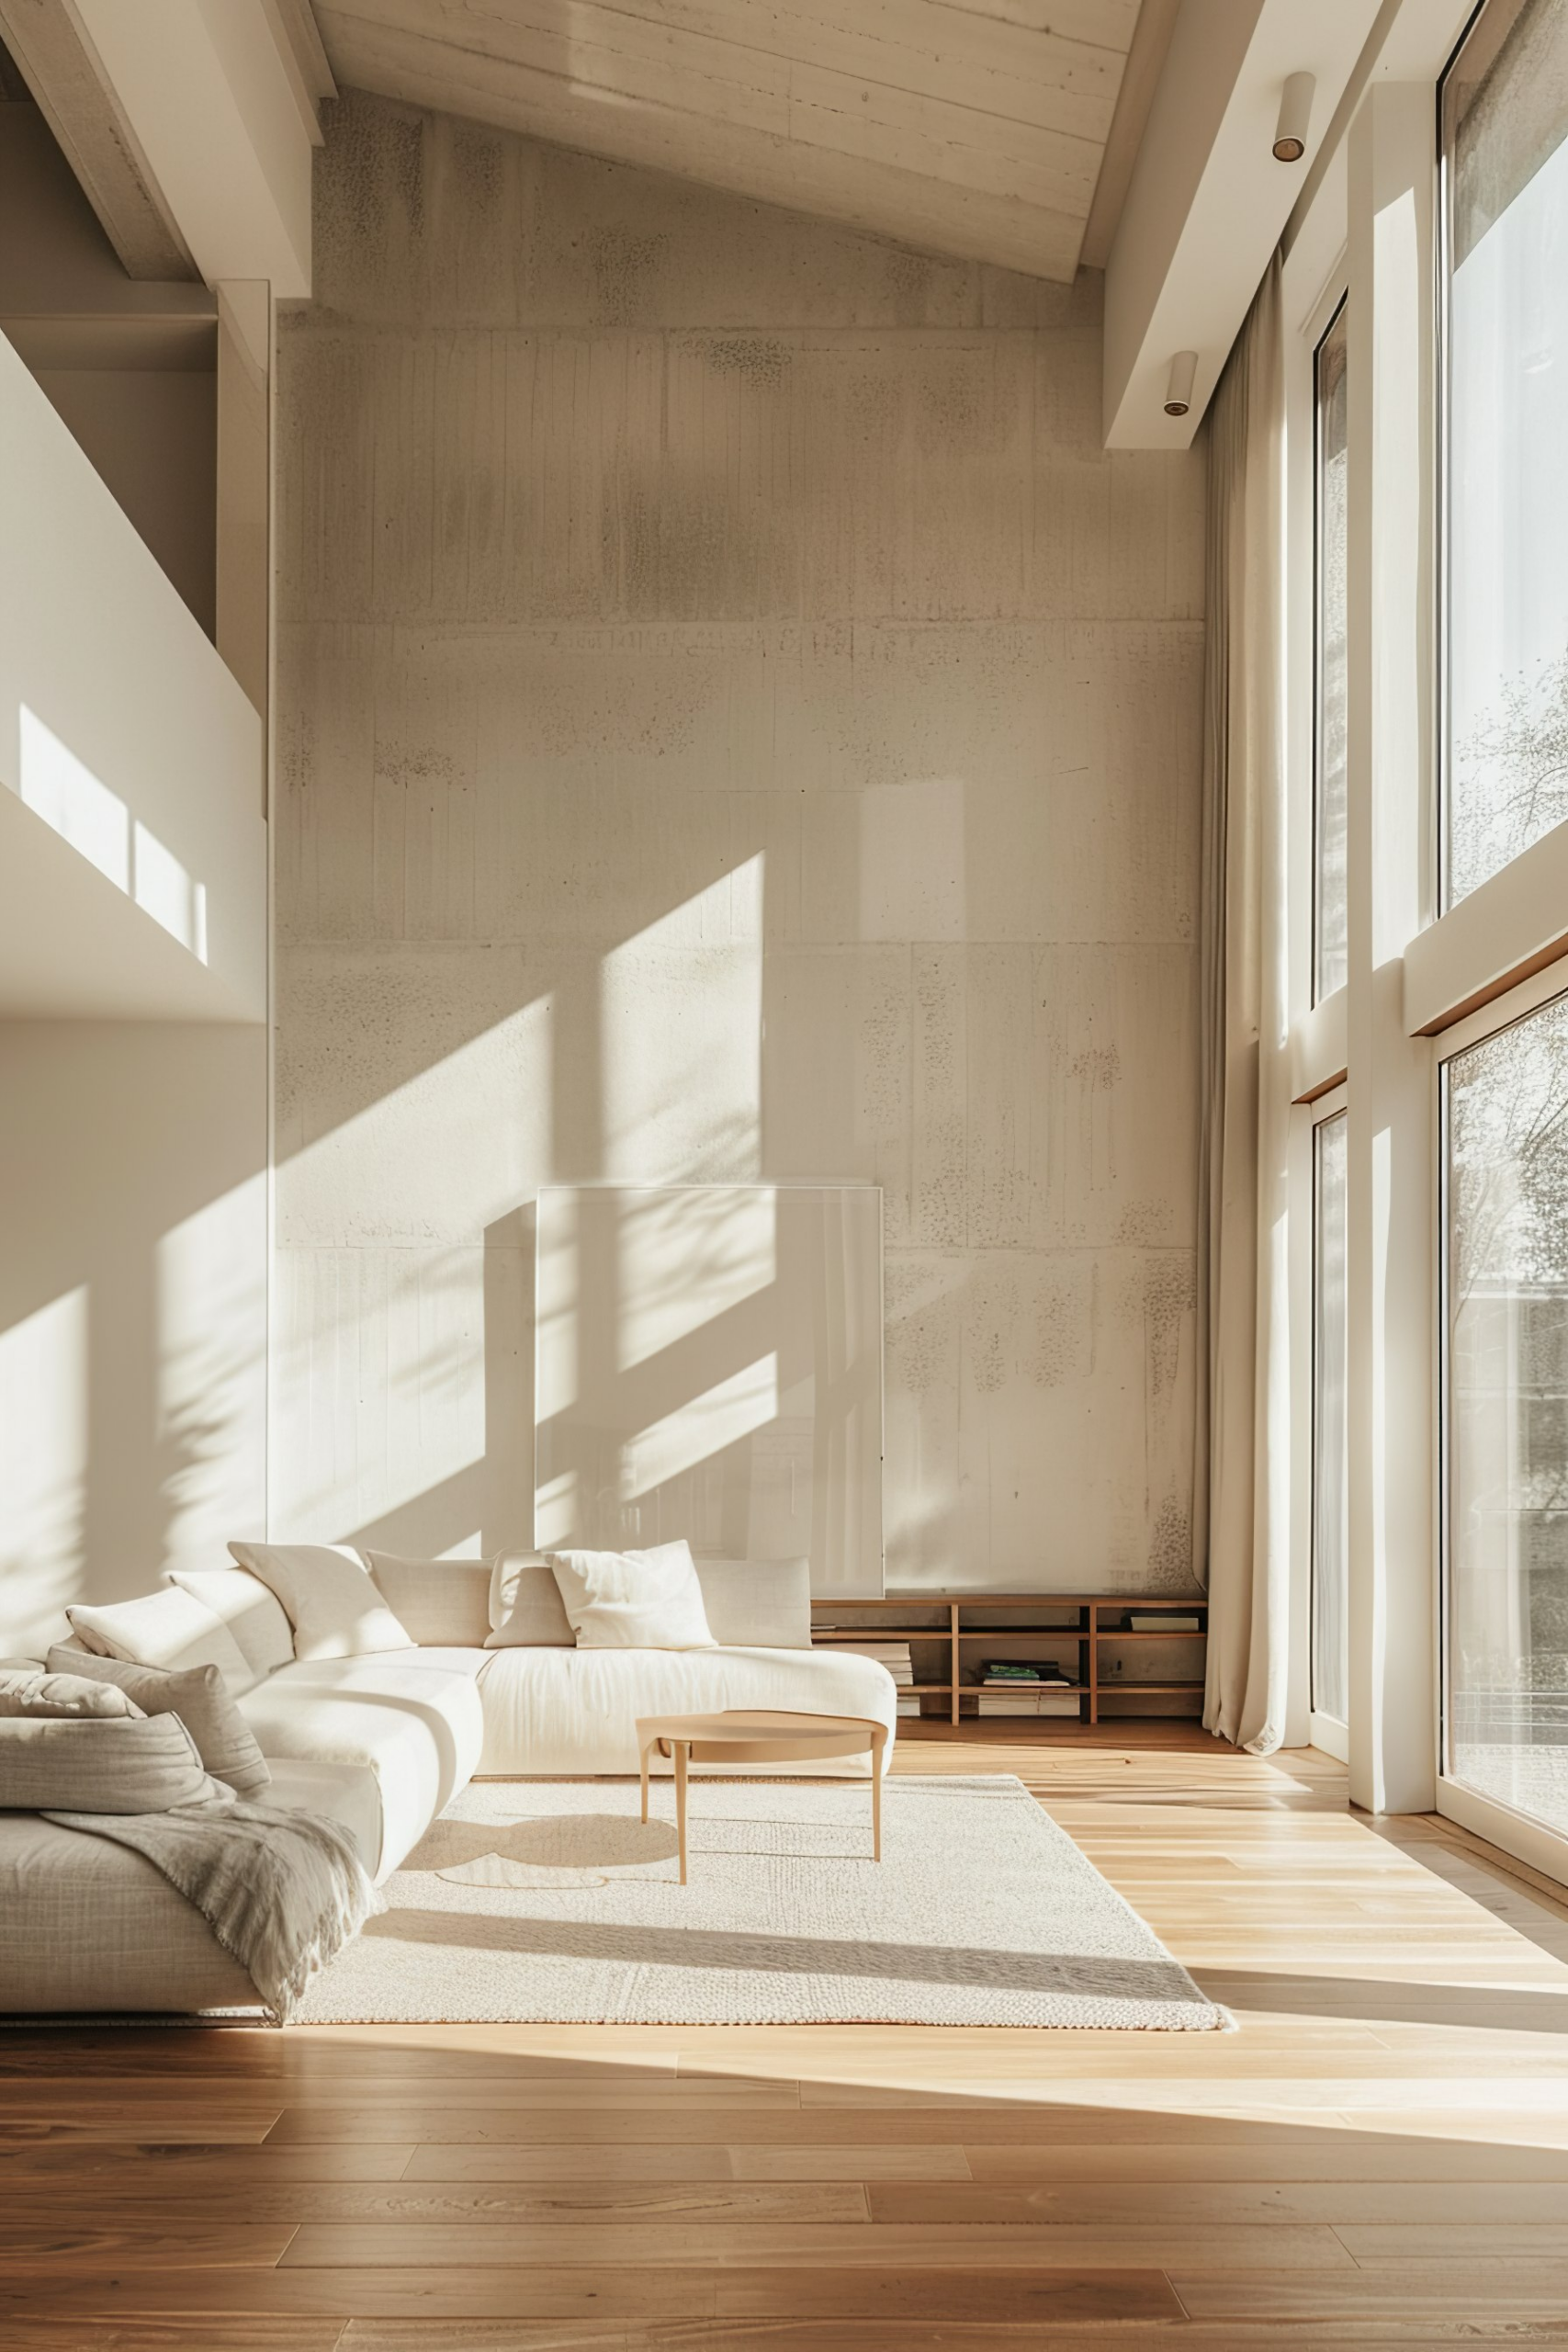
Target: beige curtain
x,y
1242,1460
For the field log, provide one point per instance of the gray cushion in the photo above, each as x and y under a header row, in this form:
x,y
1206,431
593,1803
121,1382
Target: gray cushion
x,y
224,1740
758,1605
100,1764
33,1691
527,1611
445,1604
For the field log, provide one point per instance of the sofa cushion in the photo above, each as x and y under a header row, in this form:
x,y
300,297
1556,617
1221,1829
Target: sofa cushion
x,y
758,1605
252,1613
86,1925
437,1600
412,1717
224,1740
169,1629
633,1601
60,1690
101,1764
329,1596
527,1611
576,1711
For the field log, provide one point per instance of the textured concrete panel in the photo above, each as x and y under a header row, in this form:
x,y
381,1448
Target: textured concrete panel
x,y
735,723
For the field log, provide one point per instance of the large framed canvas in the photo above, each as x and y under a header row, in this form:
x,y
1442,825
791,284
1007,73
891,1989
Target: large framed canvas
x,y
709,1364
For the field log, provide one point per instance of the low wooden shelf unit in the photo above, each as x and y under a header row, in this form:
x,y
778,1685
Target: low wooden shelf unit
x,y
942,1625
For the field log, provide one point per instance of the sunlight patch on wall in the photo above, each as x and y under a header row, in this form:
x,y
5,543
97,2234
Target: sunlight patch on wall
x,y
686,1258
211,1406
96,823
702,1427
683,1039
43,1471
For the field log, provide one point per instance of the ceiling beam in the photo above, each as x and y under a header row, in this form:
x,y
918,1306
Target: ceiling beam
x,y
56,56
1207,201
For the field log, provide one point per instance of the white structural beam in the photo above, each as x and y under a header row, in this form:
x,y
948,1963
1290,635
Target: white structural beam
x,y
1390,1240
214,94
1207,200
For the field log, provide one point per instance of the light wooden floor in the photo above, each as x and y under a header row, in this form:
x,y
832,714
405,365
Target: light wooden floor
x,y
1378,2155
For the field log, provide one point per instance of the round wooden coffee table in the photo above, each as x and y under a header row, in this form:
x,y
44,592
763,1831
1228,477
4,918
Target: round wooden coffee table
x,y
745,1735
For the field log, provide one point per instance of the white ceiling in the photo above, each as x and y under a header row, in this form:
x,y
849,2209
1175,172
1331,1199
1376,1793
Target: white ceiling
x,y
968,127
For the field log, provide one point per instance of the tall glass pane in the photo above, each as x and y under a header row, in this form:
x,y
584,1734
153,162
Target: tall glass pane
x,y
1330,1492
1506,1635
1330,803
1506,172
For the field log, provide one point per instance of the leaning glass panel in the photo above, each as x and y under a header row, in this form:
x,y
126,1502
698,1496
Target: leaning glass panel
x,y
1330,1494
1506,1633
1330,801
1505,179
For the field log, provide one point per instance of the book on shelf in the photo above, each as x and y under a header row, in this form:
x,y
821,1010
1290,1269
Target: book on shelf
x,y
1167,1621
908,1706
1028,1702
894,1656
1025,1674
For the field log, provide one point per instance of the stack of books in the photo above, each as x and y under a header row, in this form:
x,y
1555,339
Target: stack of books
x,y
1014,1687
894,1656
1167,1621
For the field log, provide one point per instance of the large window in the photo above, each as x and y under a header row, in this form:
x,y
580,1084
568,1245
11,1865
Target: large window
x,y
1330,801
1504,129
1330,1494
1506,1621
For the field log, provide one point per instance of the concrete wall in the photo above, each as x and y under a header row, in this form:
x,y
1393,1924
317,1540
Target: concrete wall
x,y
132,1309
734,722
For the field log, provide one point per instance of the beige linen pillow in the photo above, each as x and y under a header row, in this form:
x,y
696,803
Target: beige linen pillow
x,y
170,1629
329,1597
224,1740
254,1615
444,1603
527,1611
633,1601
49,1690
101,1764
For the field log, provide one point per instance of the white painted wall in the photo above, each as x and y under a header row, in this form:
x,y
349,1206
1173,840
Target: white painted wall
x,y
735,723
132,1309
124,734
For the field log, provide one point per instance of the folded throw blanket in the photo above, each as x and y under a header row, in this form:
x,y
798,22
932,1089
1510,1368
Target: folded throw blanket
x,y
282,1892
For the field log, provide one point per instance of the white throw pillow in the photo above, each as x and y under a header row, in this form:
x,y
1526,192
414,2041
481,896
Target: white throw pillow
x,y
526,1608
253,1614
633,1601
171,1629
331,1600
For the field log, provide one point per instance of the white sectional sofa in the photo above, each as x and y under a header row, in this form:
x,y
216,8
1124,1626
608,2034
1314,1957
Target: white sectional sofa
x,y
382,1743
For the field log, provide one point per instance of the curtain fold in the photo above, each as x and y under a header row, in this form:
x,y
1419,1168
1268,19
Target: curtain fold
x,y
1242,1454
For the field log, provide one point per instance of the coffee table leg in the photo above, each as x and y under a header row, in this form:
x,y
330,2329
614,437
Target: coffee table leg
x,y
646,1753
878,1742
682,1751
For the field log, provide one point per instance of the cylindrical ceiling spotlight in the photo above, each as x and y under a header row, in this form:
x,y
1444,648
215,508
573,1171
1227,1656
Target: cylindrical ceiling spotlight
x,y
1179,383
1296,113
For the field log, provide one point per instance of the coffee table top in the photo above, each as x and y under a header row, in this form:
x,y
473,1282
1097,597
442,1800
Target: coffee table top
x,y
753,1725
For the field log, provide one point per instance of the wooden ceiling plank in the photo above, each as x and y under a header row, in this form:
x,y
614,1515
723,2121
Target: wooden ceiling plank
x,y
61,66
1107,21
910,45
862,193
1076,98
627,59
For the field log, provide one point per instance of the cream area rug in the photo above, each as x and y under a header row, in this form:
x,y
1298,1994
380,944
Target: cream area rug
x,y
549,1902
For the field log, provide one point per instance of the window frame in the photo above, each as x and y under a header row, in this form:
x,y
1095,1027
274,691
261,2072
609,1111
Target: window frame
x,y
1516,1832
1326,1732
1338,302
